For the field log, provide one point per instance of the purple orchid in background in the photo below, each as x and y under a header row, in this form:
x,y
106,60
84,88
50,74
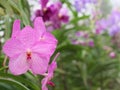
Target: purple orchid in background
x,y
91,43
111,23
54,14
80,4
82,38
114,22
112,54
49,74
29,48
101,26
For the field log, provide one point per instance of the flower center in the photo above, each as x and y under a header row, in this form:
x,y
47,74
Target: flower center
x,y
41,38
44,10
60,16
28,54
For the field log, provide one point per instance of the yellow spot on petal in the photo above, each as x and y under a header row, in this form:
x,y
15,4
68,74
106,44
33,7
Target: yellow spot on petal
x,y
28,54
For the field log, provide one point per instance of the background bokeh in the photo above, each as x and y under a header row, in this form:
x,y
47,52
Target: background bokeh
x,y
89,44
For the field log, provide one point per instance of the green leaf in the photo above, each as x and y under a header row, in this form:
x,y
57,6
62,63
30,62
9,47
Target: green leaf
x,y
13,82
21,80
21,9
2,12
5,4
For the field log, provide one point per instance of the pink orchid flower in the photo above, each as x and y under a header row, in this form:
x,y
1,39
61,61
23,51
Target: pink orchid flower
x,y
49,75
29,48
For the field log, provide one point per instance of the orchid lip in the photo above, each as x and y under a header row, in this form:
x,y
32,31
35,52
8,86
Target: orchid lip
x,y
28,54
60,15
44,9
41,38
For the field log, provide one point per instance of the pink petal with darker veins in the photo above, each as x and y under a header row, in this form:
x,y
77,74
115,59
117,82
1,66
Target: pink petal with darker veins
x,y
13,47
28,36
49,76
44,83
43,48
38,64
43,35
39,26
43,3
63,15
16,28
49,38
19,65
52,67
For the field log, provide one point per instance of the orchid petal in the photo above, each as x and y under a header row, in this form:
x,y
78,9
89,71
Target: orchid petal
x,y
49,38
63,15
39,26
13,47
43,3
44,83
16,28
44,48
18,65
52,67
28,36
38,64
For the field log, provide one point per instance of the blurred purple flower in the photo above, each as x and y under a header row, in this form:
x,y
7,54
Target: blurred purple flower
x,y
101,25
79,33
111,23
82,34
54,13
112,54
80,4
43,3
75,42
82,38
91,43
114,23
63,15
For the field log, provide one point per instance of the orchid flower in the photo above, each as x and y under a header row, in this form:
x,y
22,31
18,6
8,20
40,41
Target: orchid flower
x,y
111,23
29,48
55,14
